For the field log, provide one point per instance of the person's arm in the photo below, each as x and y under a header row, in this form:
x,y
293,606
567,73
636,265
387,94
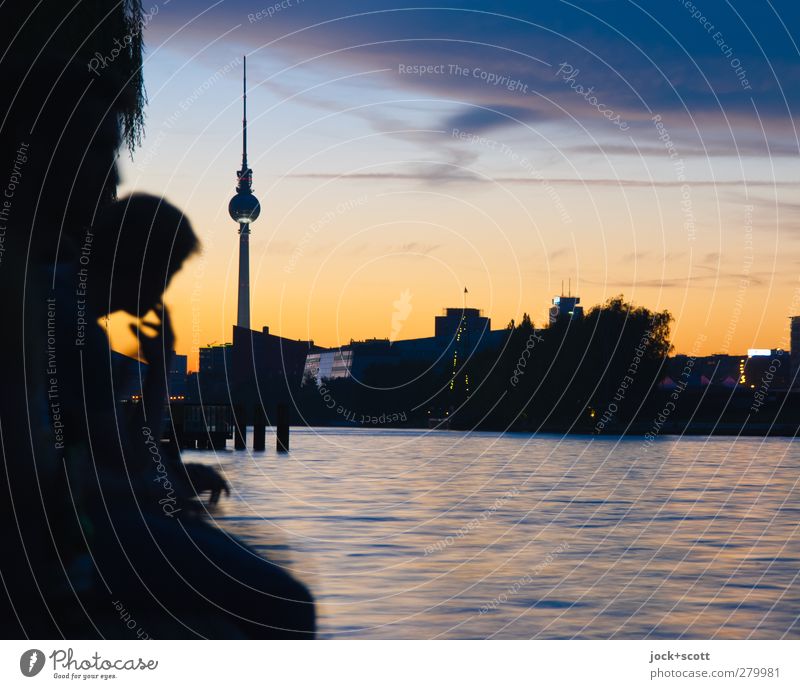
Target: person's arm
x,y
156,350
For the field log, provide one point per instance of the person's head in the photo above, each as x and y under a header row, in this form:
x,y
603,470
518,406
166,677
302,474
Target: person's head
x,y
139,243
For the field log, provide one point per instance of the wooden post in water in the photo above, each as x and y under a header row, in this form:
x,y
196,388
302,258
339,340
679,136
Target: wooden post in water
x,y
283,428
239,428
259,428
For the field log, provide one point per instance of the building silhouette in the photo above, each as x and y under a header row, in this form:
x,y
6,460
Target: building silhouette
x,y
459,334
794,344
565,308
454,319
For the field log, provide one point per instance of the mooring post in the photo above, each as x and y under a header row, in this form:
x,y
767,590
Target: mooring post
x,y
239,428
259,428
283,428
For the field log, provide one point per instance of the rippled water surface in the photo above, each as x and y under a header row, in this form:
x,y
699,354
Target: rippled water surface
x,y
415,534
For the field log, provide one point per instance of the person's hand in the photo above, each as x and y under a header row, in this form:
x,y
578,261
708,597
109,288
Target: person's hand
x,y
156,348
205,478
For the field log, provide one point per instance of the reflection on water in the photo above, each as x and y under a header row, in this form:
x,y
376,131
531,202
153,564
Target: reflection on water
x,y
415,534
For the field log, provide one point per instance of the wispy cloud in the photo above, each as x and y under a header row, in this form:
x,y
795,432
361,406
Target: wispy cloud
x,y
637,59
436,172
718,279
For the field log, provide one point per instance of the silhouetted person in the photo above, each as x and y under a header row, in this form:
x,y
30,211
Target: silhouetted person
x,y
147,543
137,245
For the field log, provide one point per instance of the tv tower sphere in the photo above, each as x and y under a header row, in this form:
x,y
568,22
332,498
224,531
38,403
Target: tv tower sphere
x,y
244,208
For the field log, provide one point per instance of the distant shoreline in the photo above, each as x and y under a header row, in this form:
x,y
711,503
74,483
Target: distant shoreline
x,y
760,430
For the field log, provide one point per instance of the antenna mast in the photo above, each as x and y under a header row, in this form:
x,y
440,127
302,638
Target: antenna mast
x,y
244,113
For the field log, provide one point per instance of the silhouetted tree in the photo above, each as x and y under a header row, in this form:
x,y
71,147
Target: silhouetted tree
x,y
556,377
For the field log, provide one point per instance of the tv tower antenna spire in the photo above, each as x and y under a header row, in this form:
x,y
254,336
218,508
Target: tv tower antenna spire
x,y
244,112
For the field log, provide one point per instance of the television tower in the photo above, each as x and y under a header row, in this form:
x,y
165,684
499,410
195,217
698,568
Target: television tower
x,y
244,208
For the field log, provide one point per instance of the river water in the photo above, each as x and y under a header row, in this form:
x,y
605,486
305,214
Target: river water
x,y
438,534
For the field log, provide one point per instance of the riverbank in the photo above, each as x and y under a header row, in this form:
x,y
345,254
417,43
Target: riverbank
x,y
782,430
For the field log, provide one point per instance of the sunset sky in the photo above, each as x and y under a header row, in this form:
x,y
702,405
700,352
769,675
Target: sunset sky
x,y
631,147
